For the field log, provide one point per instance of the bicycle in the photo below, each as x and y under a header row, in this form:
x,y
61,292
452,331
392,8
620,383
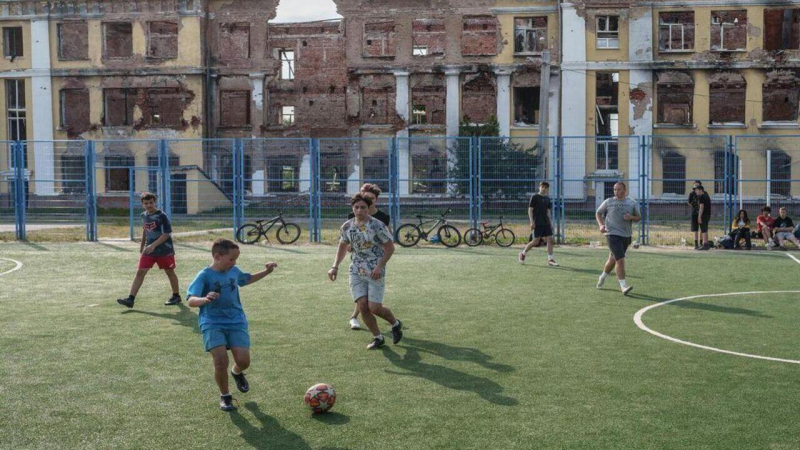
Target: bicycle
x,y
250,233
408,235
503,236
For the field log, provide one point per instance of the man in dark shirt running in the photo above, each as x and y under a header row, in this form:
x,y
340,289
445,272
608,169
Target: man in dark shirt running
x,y
156,248
372,192
539,214
703,215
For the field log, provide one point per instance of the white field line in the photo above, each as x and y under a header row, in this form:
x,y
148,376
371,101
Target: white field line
x,y
17,267
637,318
793,257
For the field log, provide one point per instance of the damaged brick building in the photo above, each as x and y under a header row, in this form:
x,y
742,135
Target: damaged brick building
x,y
189,69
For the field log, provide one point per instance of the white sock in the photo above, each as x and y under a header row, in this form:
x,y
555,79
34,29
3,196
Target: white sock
x,y
379,336
226,395
603,276
233,371
549,256
396,323
623,284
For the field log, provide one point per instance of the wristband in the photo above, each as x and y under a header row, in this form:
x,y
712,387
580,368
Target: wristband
x,y
334,268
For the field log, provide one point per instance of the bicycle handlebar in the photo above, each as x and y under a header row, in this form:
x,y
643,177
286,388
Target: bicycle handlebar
x,y
447,212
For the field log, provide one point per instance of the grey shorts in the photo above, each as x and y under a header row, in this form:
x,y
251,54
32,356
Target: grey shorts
x,y
365,286
784,235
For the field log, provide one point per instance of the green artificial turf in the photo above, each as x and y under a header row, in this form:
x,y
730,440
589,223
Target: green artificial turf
x,y
496,355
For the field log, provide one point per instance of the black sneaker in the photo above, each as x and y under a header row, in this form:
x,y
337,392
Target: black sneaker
x,y
226,402
705,247
397,332
174,300
127,301
376,343
241,382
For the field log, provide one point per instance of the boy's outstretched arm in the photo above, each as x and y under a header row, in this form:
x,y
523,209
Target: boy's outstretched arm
x,y
196,302
268,268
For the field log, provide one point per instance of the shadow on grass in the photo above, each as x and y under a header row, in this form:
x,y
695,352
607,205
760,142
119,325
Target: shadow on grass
x,y
331,418
36,247
452,353
277,247
688,304
113,247
268,434
193,247
185,316
595,272
412,365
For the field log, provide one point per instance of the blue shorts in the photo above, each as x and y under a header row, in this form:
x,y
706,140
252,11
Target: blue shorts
x,y
215,337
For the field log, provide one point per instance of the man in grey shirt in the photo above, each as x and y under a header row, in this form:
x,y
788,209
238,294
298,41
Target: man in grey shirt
x,y
615,218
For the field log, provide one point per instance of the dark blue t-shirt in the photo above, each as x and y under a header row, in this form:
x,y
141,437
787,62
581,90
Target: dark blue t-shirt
x,y
154,226
226,312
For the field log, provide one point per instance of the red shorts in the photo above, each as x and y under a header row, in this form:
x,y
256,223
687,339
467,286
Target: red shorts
x,y
164,262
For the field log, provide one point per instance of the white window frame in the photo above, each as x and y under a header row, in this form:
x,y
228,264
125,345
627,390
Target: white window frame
x,y
669,27
419,50
419,115
20,118
722,26
287,59
605,43
287,116
537,32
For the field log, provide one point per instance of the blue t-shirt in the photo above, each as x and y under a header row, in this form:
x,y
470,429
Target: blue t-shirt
x,y
225,312
154,226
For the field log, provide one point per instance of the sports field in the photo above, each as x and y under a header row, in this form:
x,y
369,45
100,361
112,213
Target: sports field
x,y
496,355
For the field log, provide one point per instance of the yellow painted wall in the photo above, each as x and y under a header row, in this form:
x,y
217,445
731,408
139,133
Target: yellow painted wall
x,y
595,54
189,45
23,62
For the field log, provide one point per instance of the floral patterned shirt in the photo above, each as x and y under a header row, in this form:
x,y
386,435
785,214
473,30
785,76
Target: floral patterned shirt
x,y
366,242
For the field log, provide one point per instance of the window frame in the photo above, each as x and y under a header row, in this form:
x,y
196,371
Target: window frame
x,y
238,92
419,51
290,115
527,30
150,35
287,72
105,39
670,25
13,40
60,37
722,26
62,106
419,118
127,92
607,31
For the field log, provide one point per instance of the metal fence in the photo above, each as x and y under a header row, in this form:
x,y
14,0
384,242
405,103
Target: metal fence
x,y
90,189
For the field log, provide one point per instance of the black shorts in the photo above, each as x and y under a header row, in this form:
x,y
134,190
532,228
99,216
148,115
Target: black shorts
x,y
542,231
702,227
618,245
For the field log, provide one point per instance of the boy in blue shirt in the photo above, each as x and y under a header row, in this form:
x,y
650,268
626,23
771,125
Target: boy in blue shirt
x,y
215,290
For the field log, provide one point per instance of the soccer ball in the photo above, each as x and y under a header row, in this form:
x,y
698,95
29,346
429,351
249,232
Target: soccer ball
x,y
320,398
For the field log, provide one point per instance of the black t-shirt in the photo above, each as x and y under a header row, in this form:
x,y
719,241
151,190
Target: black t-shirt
x,y
540,204
154,226
380,215
704,200
694,201
784,223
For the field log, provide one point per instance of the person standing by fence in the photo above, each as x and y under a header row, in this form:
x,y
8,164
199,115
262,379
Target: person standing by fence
x,y
695,205
615,217
703,215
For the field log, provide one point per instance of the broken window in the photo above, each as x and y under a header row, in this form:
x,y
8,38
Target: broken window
x,y
287,115
333,169
781,173
118,173
428,171
165,108
75,110
378,99
429,37
376,169
287,64
530,35
781,96
729,30
73,41
118,106
282,173
234,40
727,99
16,112
673,165
607,121
479,36
676,31
234,108
725,164
418,115
118,40
162,40
379,39
73,173
526,106
782,29
674,95
479,98
607,32
12,42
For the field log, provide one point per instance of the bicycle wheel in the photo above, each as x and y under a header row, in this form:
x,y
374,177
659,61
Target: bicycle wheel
x,y
505,237
407,235
473,237
248,234
449,236
288,233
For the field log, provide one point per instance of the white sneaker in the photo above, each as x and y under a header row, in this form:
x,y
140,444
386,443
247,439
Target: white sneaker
x,y
521,257
626,290
354,325
552,263
600,282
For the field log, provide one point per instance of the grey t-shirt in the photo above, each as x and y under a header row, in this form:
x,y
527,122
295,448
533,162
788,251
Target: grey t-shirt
x,y
614,211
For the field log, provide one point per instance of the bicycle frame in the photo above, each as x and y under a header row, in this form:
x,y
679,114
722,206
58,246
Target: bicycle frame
x,y
271,223
436,224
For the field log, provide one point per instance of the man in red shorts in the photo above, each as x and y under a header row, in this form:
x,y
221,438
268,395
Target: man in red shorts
x,y
156,249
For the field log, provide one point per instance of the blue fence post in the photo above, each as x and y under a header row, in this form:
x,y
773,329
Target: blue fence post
x,y
644,231
731,189
131,199
237,199
91,191
560,174
477,144
394,182
18,160
164,183
315,196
